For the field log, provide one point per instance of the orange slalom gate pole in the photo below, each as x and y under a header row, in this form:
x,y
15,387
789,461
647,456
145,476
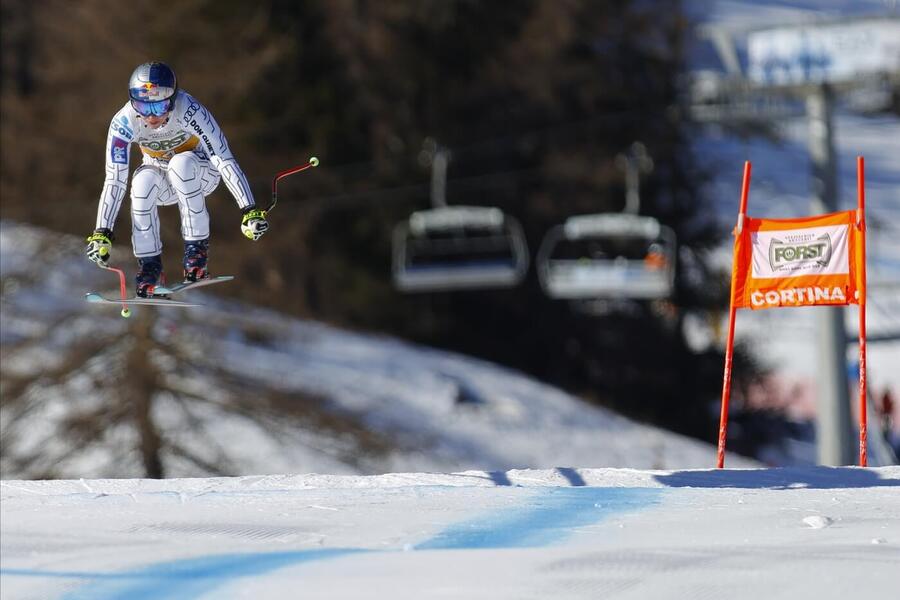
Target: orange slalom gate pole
x,y
732,314
861,226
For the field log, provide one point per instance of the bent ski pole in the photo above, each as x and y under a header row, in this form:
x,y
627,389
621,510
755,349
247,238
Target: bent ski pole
x,y
126,312
313,162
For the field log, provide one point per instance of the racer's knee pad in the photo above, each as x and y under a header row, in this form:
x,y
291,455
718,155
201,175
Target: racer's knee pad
x,y
147,185
184,171
187,169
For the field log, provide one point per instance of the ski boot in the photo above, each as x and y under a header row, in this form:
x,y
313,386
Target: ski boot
x,y
149,275
195,254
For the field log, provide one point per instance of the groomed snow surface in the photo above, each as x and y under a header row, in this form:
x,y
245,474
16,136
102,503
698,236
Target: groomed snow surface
x,y
814,532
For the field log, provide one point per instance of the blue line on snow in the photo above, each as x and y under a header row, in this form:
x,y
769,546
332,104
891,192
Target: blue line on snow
x,y
547,517
194,577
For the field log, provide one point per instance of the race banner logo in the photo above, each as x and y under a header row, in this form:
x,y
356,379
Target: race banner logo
x,y
786,257
792,253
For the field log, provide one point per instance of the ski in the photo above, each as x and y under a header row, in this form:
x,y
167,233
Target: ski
x,y
161,296
180,287
96,298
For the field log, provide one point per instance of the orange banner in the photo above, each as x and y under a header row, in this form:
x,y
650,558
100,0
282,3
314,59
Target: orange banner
x,y
810,261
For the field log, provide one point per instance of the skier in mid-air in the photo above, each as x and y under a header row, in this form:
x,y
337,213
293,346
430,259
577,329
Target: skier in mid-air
x,y
185,154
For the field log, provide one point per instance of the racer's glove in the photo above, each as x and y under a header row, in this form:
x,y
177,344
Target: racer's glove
x,y
99,246
254,223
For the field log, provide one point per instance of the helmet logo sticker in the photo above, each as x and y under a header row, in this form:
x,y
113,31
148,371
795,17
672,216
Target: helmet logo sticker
x,y
145,90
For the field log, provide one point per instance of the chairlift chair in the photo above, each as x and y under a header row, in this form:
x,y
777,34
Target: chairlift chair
x,y
458,248
616,255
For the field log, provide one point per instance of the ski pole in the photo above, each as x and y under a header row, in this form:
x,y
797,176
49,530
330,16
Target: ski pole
x,y
313,162
126,312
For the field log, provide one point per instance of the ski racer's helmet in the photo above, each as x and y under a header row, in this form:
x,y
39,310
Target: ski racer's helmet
x,y
152,89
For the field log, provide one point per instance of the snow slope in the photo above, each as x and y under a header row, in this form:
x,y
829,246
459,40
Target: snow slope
x,y
254,392
571,533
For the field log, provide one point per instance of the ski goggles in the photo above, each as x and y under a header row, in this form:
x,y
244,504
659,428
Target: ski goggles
x,y
155,109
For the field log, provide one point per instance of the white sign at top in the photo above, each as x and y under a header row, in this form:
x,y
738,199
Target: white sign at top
x,y
823,53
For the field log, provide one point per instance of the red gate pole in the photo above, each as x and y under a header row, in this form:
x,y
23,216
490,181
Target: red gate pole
x,y
732,314
861,289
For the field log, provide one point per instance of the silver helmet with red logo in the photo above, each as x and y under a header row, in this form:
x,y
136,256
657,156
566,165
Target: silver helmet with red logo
x,y
152,89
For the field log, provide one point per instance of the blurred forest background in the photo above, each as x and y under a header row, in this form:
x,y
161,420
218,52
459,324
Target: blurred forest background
x,y
534,98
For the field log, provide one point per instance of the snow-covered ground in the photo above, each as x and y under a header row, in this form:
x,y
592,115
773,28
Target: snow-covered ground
x,y
815,532
241,391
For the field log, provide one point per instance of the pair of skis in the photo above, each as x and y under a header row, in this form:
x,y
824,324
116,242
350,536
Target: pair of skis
x,y
162,295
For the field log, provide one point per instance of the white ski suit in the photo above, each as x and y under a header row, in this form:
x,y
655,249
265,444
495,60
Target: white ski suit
x,y
183,161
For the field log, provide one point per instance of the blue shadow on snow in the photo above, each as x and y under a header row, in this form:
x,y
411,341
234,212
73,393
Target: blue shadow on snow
x,y
785,478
